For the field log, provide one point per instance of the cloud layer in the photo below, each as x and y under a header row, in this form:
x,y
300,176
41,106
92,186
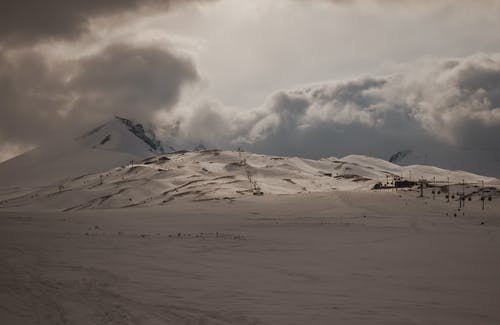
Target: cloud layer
x,y
429,105
25,22
40,97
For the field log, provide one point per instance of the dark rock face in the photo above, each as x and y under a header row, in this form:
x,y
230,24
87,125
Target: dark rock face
x,y
398,156
138,130
106,139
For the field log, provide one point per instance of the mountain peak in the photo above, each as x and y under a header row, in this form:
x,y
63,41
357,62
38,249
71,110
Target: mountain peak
x,y
123,135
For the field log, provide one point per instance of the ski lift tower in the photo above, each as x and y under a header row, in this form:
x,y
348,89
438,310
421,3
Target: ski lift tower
x,y
421,182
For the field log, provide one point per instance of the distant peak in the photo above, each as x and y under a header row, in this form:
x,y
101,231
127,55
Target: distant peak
x,y
106,136
400,155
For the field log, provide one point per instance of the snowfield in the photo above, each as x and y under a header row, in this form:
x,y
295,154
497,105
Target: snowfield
x,y
344,257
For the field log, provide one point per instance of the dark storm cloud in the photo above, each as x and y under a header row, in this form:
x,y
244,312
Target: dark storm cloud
x,y
40,96
31,94
132,81
24,22
39,99
484,79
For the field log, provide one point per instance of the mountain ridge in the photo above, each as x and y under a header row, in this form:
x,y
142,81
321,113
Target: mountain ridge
x,y
225,175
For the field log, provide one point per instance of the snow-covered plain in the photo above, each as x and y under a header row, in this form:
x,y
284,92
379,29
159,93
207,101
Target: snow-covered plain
x,y
343,257
107,230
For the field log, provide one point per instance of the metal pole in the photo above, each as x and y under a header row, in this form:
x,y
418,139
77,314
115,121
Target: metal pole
x,y
463,191
433,189
482,193
448,187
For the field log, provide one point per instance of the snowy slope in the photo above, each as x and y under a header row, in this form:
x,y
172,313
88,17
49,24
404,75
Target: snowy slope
x,y
412,172
112,144
215,175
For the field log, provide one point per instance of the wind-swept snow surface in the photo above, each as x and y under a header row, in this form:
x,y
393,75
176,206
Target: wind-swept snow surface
x,y
344,257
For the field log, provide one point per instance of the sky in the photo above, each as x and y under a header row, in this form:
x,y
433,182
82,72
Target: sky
x,y
314,78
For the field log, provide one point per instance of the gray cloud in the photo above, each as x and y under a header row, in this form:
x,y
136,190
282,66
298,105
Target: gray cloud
x,y
40,98
24,21
397,2
136,82
31,95
432,105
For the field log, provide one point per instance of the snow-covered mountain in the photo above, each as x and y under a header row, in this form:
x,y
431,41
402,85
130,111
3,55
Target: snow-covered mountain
x,y
218,175
119,164
121,135
112,144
